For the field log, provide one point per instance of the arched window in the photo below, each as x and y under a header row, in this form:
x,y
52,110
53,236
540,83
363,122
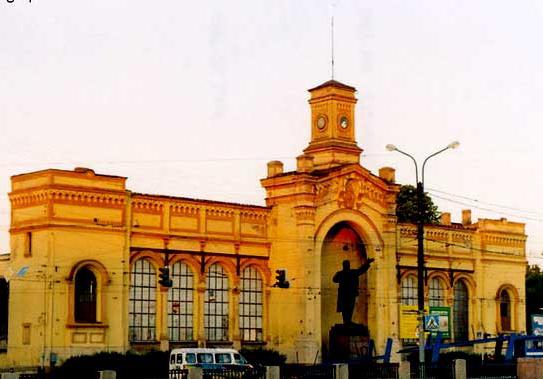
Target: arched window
x,y
250,305
505,310
142,311
180,303
460,311
85,296
409,290
436,295
216,304
4,313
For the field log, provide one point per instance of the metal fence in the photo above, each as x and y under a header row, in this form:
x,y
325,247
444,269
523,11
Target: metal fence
x,y
178,374
235,373
492,371
434,371
371,370
301,371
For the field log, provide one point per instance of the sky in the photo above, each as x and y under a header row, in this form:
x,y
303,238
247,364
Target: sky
x,y
193,98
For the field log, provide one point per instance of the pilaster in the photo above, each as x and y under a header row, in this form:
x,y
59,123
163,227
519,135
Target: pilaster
x,y
309,340
199,313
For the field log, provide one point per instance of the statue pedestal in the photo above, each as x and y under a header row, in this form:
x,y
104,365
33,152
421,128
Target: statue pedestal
x,y
350,341
307,350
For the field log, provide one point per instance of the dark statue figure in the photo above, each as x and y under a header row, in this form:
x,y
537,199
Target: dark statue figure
x,y
348,288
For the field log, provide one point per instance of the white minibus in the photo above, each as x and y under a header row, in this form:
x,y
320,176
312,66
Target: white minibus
x,y
206,358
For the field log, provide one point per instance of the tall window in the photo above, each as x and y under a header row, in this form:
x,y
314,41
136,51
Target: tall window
x,y
505,310
142,313
4,302
436,295
409,290
216,304
250,305
180,303
460,311
85,296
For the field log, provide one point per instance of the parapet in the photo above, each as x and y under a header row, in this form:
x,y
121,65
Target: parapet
x,y
80,177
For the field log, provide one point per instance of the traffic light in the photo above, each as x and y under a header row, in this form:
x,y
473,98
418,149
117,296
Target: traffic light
x,y
281,279
164,276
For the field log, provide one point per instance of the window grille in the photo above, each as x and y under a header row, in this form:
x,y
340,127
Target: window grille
x,y
250,305
180,303
436,294
216,304
409,290
460,311
409,296
142,313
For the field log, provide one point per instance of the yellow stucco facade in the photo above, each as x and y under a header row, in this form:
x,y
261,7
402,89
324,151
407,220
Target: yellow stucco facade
x,y
330,209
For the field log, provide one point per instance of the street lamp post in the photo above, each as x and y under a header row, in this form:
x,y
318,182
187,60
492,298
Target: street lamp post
x,y
420,243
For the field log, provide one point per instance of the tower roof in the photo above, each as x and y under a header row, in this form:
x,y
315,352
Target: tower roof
x,y
333,83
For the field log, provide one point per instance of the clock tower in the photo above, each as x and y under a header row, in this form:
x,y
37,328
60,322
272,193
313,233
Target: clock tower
x,y
332,126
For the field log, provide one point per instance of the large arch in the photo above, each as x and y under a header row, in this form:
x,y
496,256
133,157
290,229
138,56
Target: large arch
x,y
343,235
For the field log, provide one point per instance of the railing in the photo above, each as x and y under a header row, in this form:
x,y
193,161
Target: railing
x,y
370,370
300,371
178,374
235,373
434,371
492,370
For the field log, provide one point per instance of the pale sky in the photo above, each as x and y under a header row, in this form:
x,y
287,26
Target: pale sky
x,y
192,98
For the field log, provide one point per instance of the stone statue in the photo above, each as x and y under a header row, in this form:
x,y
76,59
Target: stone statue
x,y
348,288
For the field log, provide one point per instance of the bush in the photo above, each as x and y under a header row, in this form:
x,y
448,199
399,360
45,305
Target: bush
x,y
264,357
127,366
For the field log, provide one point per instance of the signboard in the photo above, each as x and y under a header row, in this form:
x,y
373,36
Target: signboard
x,y
537,325
431,323
438,320
409,323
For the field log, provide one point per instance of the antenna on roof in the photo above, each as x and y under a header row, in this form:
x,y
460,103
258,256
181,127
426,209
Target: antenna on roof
x,y
332,38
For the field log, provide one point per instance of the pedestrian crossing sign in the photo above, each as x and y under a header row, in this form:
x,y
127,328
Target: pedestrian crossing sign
x,y
431,323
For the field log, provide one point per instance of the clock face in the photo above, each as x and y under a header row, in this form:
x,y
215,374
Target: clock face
x,y
344,122
321,122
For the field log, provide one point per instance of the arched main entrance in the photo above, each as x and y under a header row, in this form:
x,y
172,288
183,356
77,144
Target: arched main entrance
x,y
341,243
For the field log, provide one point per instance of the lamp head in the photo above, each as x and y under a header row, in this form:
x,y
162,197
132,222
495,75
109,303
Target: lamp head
x,y
453,145
391,147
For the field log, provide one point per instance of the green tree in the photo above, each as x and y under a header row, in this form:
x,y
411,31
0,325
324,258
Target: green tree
x,y
534,293
406,206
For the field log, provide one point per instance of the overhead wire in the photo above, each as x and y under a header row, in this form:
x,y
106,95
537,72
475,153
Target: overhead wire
x,y
486,209
485,202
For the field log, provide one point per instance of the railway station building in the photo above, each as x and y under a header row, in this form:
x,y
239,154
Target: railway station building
x,y
87,254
